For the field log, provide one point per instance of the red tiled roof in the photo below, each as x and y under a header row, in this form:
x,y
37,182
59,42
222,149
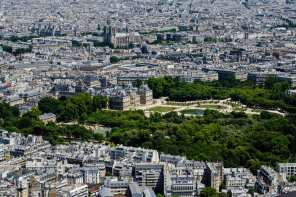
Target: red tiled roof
x,y
93,189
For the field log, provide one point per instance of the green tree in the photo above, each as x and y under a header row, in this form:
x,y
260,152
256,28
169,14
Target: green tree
x,y
293,179
210,39
99,102
49,104
104,44
82,103
222,194
114,59
270,82
252,191
33,114
254,165
7,49
138,83
108,173
70,112
15,111
99,137
222,185
208,192
12,129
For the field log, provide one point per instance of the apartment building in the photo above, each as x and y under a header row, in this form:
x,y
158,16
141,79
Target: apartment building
x,y
214,175
78,190
267,179
288,168
114,187
74,178
173,159
150,175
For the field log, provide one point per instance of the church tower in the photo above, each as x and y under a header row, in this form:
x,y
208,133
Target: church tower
x,y
109,34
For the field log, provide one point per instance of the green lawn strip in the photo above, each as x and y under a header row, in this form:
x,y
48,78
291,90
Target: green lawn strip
x,y
161,109
240,109
180,104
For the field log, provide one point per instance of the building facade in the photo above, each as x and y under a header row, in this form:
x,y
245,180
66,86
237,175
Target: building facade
x,y
288,168
120,39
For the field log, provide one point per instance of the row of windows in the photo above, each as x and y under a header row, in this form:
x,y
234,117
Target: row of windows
x,y
182,188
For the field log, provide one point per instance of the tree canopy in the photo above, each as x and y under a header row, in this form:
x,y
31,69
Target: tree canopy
x,y
77,107
271,97
208,192
114,59
235,138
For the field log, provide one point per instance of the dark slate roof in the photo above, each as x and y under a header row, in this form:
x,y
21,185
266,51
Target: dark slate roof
x,y
89,78
58,88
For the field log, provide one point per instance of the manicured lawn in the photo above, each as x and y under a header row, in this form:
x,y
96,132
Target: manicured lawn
x,y
213,106
161,109
240,109
180,104
232,104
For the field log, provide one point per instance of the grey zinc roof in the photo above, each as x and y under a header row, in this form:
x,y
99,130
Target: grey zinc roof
x,y
122,35
121,94
57,88
113,85
46,115
149,192
134,188
91,91
144,88
105,192
13,98
30,93
129,87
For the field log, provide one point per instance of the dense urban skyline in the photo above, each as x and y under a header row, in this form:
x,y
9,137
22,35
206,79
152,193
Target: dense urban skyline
x,y
177,98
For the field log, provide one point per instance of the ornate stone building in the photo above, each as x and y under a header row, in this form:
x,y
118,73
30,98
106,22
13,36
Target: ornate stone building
x,y
46,29
120,39
126,98
146,95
